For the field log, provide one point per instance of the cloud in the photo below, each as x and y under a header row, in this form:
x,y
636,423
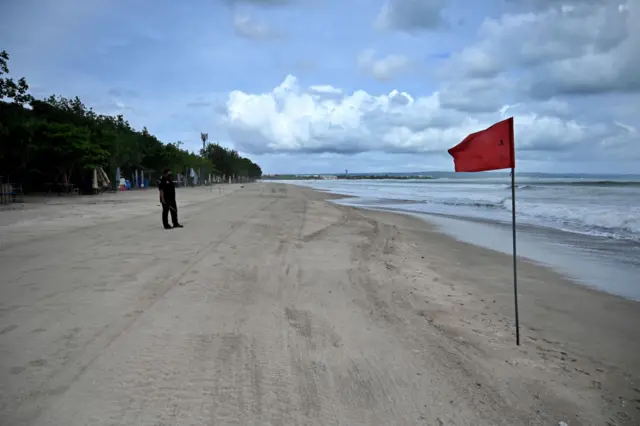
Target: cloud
x,y
121,105
530,39
382,69
292,120
550,107
628,128
411,15
478,95
553,48
613,68
566,69
324,89
245,26
546,4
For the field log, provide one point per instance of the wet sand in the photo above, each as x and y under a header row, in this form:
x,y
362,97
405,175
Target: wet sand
x,y
274,306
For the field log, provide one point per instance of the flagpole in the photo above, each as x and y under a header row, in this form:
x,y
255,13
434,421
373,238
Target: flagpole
x,y
515,270
513,230
485,150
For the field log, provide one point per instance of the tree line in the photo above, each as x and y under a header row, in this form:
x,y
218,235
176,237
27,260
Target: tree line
x,y
43,138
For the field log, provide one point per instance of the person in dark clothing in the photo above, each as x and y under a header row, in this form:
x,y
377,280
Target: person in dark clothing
x,y
167,190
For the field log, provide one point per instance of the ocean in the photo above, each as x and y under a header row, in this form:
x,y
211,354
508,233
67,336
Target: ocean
x,y
587,227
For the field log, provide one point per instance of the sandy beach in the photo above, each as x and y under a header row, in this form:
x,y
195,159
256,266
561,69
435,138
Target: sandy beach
x,y
274,306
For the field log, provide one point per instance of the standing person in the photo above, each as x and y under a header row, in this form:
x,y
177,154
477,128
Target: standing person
x,y
168,200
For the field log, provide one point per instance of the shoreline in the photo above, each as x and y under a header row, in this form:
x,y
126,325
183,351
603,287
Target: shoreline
x,y
558,320
536,330
571,330
540,245
565,207
303,309
529,266
589,261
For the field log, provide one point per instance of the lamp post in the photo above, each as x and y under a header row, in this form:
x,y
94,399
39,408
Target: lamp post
x,y
204,137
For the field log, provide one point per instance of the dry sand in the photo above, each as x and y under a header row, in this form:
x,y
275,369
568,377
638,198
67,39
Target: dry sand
x,y
275,307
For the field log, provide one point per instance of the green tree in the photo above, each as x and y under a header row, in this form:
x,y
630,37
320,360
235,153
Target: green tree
x,y
9,89
39,138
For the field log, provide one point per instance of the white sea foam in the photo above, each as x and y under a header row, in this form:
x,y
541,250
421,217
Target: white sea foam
x,y
602,209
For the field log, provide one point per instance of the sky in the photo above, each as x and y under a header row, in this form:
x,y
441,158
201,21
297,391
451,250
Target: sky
x,y
321,86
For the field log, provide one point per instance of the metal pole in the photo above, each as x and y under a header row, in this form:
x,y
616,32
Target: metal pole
x,y
515,257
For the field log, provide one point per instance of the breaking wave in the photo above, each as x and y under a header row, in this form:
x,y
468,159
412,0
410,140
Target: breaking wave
x,y
593,220
603,208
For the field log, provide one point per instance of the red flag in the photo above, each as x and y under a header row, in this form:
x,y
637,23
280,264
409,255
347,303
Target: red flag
x,y
489,149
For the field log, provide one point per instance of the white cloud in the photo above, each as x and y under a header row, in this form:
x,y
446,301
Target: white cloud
x,y
546,4
611,67
245,26
533,38
382,69
581,47
292,120
567,69
325,88
628,128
